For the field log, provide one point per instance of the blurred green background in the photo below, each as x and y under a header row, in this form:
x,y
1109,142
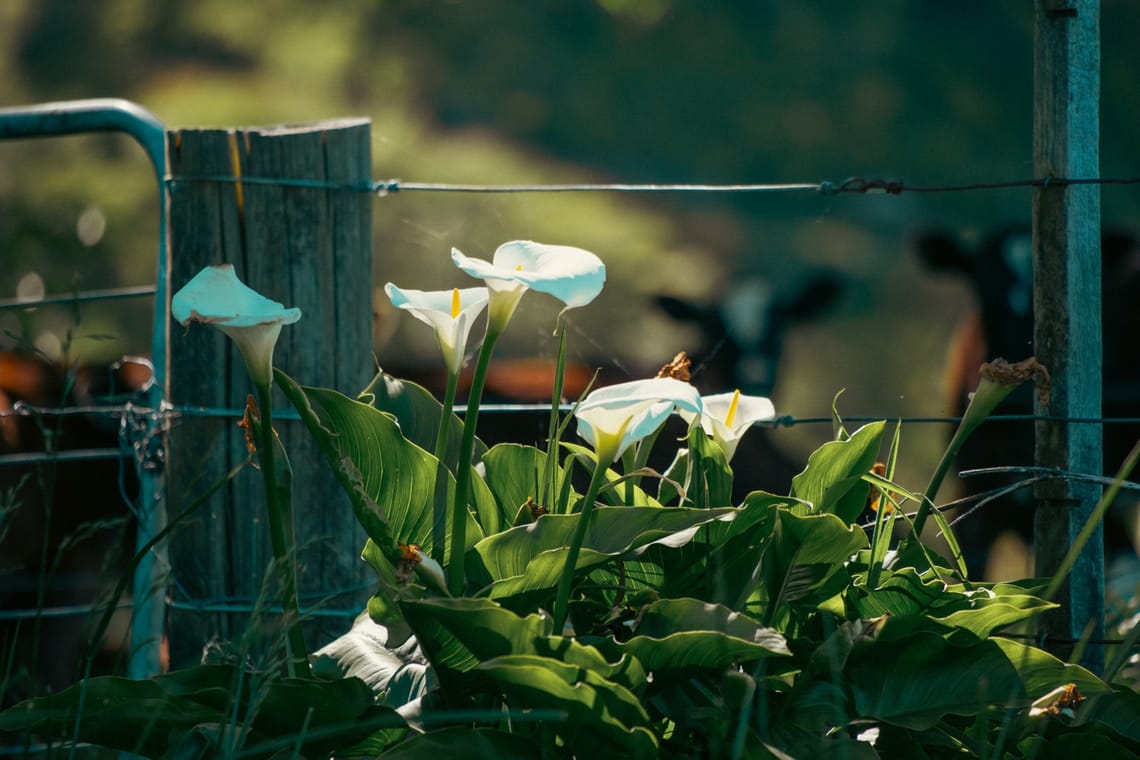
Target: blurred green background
x,y
503,91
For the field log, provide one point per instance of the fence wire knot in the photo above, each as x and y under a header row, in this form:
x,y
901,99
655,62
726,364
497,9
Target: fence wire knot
x,y
386,187
860,185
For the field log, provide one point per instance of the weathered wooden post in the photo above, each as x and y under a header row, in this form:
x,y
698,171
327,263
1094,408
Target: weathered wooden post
x,y
289,208
1067,298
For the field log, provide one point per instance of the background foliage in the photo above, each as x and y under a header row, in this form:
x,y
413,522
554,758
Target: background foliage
x,y
611,90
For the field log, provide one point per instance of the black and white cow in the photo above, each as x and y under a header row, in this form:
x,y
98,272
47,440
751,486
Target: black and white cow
x,y
741,346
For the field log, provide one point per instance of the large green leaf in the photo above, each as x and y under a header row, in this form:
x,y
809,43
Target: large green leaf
x,y
601,716
1118,711
965,616
833,479
683,633
722,566
149,716
914,683
418,412
457,634
513,473
368,652
395,473
531,557
805,559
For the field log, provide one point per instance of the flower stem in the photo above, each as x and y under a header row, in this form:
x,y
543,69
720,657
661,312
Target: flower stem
x,y
281,535
547,495
562,600
455,569
439,513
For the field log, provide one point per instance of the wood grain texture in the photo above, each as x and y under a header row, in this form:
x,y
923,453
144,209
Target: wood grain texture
x,y
308,247
1067,302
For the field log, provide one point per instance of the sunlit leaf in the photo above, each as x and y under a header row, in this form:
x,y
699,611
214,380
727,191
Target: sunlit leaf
x,y
683,633
833,478
396,474
531,557
806,553
418,413
602,716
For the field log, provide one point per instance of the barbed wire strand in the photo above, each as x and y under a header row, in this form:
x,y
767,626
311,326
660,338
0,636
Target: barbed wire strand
x,y
854,185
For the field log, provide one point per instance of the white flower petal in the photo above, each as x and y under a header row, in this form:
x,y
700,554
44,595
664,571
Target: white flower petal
x,y
714,418
573,275
433,307
613,418
216,296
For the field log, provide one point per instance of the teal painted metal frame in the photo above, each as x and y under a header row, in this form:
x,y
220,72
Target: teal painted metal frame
x,y
116,115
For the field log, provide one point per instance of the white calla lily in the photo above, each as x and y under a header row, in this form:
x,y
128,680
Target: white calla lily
x,y
613,418
728,416
215,296
451,313
573,275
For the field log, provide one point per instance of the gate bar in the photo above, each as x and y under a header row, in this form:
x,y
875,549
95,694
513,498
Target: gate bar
x,y
117,115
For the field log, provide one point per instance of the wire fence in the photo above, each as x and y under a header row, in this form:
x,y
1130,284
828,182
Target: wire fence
x,y
128,451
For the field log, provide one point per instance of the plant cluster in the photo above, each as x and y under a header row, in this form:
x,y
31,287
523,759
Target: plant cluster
x,y
569,601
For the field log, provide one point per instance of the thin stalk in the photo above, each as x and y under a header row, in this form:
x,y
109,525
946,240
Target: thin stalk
x,y
281,536
562,600
455,570
439,512
553,430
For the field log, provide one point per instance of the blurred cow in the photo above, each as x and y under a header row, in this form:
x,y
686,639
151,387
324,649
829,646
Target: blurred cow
x,y
741,346
66,532
999,270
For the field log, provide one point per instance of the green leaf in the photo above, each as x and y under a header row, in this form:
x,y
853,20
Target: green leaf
x,y
397,475
602,716
513,474
804,556
710,482
964,616
683,633
1119,712
148,716
531,557
615,484
833,479
457,634
418,412
916,682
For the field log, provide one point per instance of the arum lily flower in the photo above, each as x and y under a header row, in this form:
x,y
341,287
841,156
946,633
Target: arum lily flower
x,y
728,416
215,296
451,313
613,418
572,275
